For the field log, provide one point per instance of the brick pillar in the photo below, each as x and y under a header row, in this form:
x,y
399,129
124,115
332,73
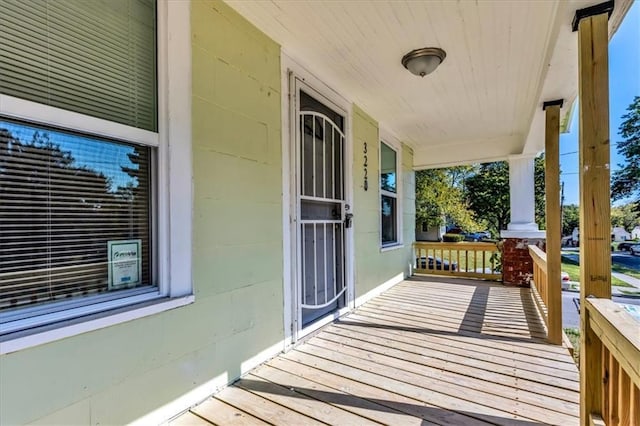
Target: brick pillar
x,y
517,265
522,231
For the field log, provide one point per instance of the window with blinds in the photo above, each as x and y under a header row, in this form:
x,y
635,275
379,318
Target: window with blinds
x,y
93,57
65,201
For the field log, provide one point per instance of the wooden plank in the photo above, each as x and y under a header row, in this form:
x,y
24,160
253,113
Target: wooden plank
x,y
335,396
595,219
459,326
461,399
485,367
553,220
189,419
403,361
290,398
395,359
618,331
457,362
439,321
635,405
467,347
471,315
542,309
262,408
519,344
508,309
220,413
433,325
461,246
567,343
623,394
509,306
401,396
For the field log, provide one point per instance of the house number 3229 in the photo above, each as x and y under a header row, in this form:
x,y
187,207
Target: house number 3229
x,y
365,164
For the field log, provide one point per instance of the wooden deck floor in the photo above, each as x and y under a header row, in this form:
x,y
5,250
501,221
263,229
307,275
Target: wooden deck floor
x,y
428,351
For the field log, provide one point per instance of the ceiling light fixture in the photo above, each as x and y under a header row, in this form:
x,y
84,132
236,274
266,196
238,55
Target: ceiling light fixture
x,y
423,61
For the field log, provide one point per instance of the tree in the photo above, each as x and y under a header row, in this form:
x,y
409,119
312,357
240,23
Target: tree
x,y
440,198
570,218
625,216
488,194
626,181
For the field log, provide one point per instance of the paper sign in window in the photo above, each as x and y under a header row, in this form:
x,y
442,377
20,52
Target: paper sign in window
x,y
124,263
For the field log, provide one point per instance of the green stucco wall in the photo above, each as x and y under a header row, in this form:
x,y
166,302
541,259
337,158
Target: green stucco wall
x,y
117,374
373,265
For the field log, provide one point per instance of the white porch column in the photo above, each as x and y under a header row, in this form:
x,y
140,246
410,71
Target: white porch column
x,y
522,194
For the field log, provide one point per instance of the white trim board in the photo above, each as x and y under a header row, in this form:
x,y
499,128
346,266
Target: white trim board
x,y
380,289
51,335
173,186
291,69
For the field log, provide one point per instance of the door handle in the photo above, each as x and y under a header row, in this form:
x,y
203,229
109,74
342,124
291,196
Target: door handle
x,y
348,220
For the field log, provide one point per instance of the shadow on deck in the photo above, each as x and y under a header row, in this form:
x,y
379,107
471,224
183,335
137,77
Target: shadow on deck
x,y
429,351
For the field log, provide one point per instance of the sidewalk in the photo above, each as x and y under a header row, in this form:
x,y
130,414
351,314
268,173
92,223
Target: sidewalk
x,y
627,279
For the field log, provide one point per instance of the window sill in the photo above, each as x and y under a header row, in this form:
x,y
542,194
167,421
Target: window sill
x,y
46,334
391,247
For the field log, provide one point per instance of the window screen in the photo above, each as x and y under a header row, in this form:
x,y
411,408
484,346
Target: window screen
x,y
93,57
74,215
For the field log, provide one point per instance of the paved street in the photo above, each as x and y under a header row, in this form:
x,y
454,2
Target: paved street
x,y
570,316
626,259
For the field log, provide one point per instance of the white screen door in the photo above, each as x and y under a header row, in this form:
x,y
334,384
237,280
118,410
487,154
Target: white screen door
x,y
321,209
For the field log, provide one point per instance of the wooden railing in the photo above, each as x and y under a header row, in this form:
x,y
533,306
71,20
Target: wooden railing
x,y
475,260
548,296
618,334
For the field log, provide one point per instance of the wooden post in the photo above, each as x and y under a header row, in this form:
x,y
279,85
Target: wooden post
x,y
553,221
595,219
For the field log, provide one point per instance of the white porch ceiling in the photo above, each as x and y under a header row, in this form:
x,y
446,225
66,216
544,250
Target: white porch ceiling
x,y
504,58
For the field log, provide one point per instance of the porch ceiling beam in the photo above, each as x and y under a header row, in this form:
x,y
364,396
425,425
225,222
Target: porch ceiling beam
x,y
466,152
595,220
553,219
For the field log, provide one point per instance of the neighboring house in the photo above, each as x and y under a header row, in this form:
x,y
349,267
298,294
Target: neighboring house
x,y
430,233
635,233
618,233
194,189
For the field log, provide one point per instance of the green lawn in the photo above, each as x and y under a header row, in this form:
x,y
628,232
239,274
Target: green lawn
x,y
574,272
616,267
574,337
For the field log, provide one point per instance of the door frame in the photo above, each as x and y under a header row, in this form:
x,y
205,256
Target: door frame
x,y
293,76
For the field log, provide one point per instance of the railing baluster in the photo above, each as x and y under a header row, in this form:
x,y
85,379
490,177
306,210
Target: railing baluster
x,y
624,398
616,332
469,258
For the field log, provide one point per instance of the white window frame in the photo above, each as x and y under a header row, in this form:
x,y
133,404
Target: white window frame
x,y
172,190
392,142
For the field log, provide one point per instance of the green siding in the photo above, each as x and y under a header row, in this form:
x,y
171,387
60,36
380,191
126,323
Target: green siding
x,y
117,374
373,266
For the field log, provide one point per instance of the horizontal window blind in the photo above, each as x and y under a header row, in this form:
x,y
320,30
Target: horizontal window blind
x,y
93,57
63,199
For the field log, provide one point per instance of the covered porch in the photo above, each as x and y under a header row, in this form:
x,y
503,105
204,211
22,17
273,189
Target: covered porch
x,y
252,98
431,350
449,351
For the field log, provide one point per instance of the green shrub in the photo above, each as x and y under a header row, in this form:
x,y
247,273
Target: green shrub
x,y
452,238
